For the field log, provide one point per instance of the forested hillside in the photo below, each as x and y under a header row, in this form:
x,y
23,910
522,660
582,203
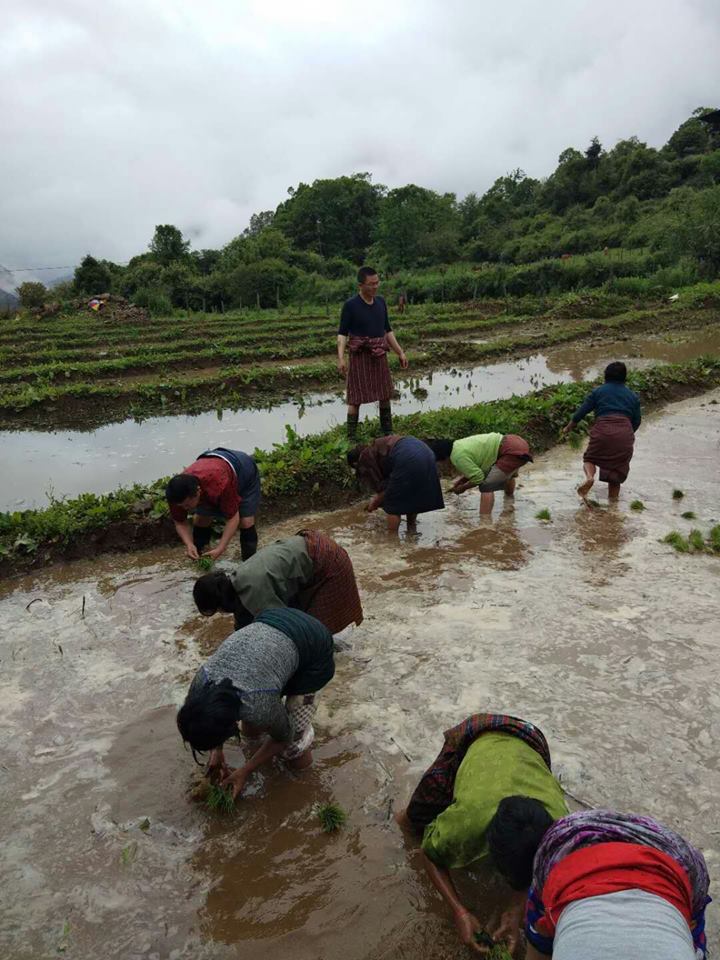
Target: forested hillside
x,y
632,216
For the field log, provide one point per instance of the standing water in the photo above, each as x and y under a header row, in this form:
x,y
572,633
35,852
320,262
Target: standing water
x,y
67,463
586,624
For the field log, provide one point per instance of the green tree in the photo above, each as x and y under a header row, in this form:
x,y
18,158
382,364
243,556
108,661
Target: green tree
x,y
93,276
259,222
334,218
32,294
168,245
417,227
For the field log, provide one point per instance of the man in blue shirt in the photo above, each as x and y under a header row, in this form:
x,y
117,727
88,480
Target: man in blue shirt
x,y
366,331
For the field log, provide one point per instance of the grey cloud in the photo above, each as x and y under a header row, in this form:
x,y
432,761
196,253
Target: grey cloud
x,y
118,116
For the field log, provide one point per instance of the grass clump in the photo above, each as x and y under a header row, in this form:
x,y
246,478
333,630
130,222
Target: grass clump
x,y
637,505
677,494
543,514
713,541
696,540
205,563
220,800
677,541
688,515
331,816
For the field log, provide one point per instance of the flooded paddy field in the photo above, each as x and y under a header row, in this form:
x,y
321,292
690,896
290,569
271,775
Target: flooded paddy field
x,y
586,625
66,463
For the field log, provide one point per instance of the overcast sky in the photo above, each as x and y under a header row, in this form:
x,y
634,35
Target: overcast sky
x,y
117,116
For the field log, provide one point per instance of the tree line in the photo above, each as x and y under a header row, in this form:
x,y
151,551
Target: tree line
x,y
664,202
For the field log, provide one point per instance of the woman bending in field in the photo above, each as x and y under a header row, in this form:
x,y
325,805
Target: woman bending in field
x,y
403,473
308,571
488,461
265,677
490,794
607,885
612,435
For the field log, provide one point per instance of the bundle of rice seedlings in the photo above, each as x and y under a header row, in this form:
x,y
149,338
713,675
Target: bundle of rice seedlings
x,y
637,505
678,494
543,514
678,541
696,540
205,563
220,800
688,515
331,816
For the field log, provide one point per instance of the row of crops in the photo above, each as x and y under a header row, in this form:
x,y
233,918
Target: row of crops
x,y
85,365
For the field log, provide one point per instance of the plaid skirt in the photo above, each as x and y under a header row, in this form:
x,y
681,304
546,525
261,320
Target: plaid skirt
x,y
368,379
332,597
612,441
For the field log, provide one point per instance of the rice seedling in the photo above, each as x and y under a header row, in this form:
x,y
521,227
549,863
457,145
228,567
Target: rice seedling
x,y
498,951
714,539
331,816
677,541
128,853
205,563
220,800
688,515
696,540
637,505
677,494
543,514
576,440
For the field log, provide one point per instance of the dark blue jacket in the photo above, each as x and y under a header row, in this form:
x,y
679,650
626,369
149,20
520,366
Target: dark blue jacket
x,y
611,398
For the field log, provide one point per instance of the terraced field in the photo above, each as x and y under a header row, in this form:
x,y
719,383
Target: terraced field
x,y
86,367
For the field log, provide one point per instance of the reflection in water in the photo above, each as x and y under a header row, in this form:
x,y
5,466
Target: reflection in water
x,y
67,463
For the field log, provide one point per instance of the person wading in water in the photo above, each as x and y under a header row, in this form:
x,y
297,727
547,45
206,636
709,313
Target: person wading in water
x,y
365,330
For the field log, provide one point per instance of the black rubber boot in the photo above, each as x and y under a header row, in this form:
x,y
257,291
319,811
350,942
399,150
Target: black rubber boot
x,y
386,420
352,425
201,537
248,542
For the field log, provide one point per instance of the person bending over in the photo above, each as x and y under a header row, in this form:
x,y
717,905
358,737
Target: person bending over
x,y
308,571
266,677
612,435
220,485
403,473
488,461
490,794
607,885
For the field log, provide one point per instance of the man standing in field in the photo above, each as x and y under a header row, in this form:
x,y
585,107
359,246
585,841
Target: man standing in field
x,y
365,330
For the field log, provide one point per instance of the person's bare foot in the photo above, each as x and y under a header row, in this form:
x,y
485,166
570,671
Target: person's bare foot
x,y
585,488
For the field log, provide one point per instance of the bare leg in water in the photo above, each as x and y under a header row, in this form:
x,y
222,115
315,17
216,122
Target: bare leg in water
x,y
585,487
613,491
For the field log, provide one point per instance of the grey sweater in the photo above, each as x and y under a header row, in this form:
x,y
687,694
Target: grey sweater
x,y
259,660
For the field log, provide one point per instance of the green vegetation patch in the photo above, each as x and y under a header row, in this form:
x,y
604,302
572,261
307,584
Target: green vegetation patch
x,y
205,563
543,514
695,542
677,494
688,515
331,816
220,800
637,505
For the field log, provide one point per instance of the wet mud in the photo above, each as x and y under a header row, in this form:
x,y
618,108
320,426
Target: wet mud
x,y
67,463
586,624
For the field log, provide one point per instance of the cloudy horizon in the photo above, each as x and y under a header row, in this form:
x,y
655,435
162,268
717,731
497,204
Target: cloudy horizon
x,y
123,116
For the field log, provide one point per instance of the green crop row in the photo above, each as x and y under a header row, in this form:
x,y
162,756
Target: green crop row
x,y
311,470
229,387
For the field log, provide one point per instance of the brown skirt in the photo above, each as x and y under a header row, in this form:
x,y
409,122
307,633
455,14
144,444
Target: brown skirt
x,y
332,597
368,379
612,440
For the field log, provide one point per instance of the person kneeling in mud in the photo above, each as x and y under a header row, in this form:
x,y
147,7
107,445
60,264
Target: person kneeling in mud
x,y
403,473
488,461
308,571
265,677
490,794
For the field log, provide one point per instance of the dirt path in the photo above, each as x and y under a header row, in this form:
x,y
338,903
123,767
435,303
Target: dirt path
x,y
587,625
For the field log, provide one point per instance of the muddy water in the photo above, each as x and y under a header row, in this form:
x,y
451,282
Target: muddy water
x,y
587,625
67,463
